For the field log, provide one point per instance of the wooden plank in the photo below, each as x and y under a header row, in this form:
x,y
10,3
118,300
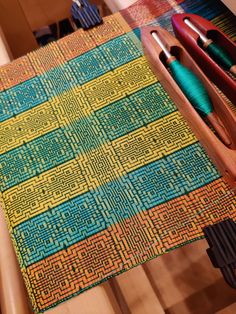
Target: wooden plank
x,y
16,28
228,310
96,300
135,294
13,294
231,4
187,283
5,53
45,12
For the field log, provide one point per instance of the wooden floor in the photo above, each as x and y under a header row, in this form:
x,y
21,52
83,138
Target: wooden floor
x,y
180,282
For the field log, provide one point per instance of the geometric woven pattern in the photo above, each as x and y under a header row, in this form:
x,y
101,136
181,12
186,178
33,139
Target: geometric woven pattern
x,y
99,171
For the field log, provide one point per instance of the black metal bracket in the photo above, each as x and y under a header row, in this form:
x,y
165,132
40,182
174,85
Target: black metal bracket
x,y
84,14
221,238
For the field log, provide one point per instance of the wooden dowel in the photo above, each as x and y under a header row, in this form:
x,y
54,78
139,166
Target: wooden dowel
x,y
13,294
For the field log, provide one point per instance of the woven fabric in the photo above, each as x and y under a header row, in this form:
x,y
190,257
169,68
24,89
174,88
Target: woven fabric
x,y
99,171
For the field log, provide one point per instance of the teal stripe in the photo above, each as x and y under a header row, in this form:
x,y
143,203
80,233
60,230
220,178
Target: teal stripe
x,y
135,111
90,213
21,97
33,158
6,111
106,57
83,135
89,66
121,50
75,72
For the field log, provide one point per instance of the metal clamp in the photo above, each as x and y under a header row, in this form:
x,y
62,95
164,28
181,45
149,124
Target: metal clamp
x,y
85,15
221,238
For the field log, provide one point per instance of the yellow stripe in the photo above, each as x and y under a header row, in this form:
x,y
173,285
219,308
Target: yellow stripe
x,y
75,104
82,101
40,193
27,126
117,84
160,138
97,167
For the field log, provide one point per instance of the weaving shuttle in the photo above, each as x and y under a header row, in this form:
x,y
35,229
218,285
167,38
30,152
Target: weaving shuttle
x,y
223,156
192,43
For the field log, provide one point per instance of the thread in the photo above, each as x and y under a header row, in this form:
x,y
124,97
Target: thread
x,y
192,87
194,90
198,96
220,56
217,53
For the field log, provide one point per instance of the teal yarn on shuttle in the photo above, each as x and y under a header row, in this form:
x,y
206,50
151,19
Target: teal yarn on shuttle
x,y
220,56
192,87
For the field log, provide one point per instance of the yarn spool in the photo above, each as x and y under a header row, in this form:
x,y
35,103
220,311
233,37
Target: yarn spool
x,y
217,53
194,90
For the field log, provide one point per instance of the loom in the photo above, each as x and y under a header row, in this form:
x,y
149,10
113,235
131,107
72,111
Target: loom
x,y
100,170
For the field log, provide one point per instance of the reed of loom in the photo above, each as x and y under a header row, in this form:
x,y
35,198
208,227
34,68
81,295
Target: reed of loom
x,y
175,69
211,49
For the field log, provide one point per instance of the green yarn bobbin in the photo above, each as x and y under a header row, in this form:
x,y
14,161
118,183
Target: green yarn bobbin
x,y
220,56
192,87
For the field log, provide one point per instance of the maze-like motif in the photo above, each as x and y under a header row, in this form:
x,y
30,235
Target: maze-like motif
x,y
153,142
43,192
89,66
5,107
16,72
112,27
46,58
99,171
113,202
136,239
26,127
25,96
74,269
115,85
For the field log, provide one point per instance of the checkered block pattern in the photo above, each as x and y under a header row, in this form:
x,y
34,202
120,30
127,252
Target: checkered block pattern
x,y
99,171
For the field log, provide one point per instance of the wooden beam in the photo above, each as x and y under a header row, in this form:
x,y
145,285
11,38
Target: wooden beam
x,y
5,53
231,4
16,28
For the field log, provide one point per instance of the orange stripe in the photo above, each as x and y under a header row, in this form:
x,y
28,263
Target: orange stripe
x,y
16,72
128,243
